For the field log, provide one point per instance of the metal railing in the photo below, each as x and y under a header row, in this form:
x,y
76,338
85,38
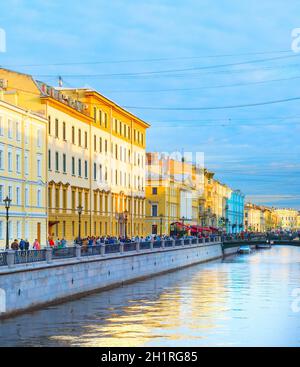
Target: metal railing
x,y
110,249
10,258
3,258
63,253
30,256
145,245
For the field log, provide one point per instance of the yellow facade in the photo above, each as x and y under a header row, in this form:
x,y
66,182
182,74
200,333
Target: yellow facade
x,y
23,172
96,158
173,189
213,202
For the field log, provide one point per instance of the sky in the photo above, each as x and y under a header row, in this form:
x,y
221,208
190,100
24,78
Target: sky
x,y
172,63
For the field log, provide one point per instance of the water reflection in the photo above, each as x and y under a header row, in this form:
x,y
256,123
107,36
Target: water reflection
x,y
244,300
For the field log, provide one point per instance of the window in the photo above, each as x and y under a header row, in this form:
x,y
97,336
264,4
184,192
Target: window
x,y
73,135
154,210
39,198
64,131
10,129
56,128
39,167
95,171
26,198
49,125
100,116
85,140
18,162
18,132
9,159
49,160
79,137
1,194
100,145
154,190
10,192
79,167
64,163
105,120
85,169
56,161
105,146
95,114
18,197
73,166
100,172
95,143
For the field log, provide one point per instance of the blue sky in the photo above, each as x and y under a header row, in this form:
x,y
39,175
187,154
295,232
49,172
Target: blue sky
x,y
255,149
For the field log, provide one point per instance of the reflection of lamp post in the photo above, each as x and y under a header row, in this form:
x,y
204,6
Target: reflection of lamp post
x,y
79,210
161,221
7,202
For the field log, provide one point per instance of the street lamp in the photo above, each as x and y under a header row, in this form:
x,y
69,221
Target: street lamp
x,y
7,202
161,222
79,210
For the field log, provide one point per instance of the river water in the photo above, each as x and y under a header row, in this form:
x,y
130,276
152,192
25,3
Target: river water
x,y
244,300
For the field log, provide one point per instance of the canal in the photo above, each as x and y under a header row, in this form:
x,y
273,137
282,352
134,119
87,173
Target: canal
x,y
243,300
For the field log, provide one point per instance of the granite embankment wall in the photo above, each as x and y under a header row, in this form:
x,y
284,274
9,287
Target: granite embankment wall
x,y
33,285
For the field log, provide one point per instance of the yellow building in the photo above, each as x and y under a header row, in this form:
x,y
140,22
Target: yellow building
x,y
287,217
96,159
23,172
298,221
173,188
254,218
213,202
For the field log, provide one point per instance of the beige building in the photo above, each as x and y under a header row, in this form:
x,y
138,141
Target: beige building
x,y
23,173
288,218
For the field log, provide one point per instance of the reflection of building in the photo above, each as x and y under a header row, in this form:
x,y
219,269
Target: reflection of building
x,y
235,212
23,172
96,158
173,189
288,218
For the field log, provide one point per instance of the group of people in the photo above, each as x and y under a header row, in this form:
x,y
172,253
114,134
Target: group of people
x,y
24,245
57,243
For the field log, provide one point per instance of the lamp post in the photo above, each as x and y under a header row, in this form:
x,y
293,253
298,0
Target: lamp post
x,y
161,222
79,210
7,202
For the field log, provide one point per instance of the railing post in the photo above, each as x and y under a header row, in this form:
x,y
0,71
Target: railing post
x,y
151,244
137,247
102,249
48,254
203,240
173,243
163,244
10,258
190,242
78,252
121,247
90,250
181,242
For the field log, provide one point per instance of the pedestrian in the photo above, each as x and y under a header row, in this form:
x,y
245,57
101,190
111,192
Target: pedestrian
x,y
36,244
22,245
26,245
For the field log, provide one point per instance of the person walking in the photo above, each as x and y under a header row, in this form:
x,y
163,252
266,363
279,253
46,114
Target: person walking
x,y
22,245
26,246
36,244
15,245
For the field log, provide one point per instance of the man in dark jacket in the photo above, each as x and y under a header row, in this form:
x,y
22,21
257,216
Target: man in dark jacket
x,y
15,245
